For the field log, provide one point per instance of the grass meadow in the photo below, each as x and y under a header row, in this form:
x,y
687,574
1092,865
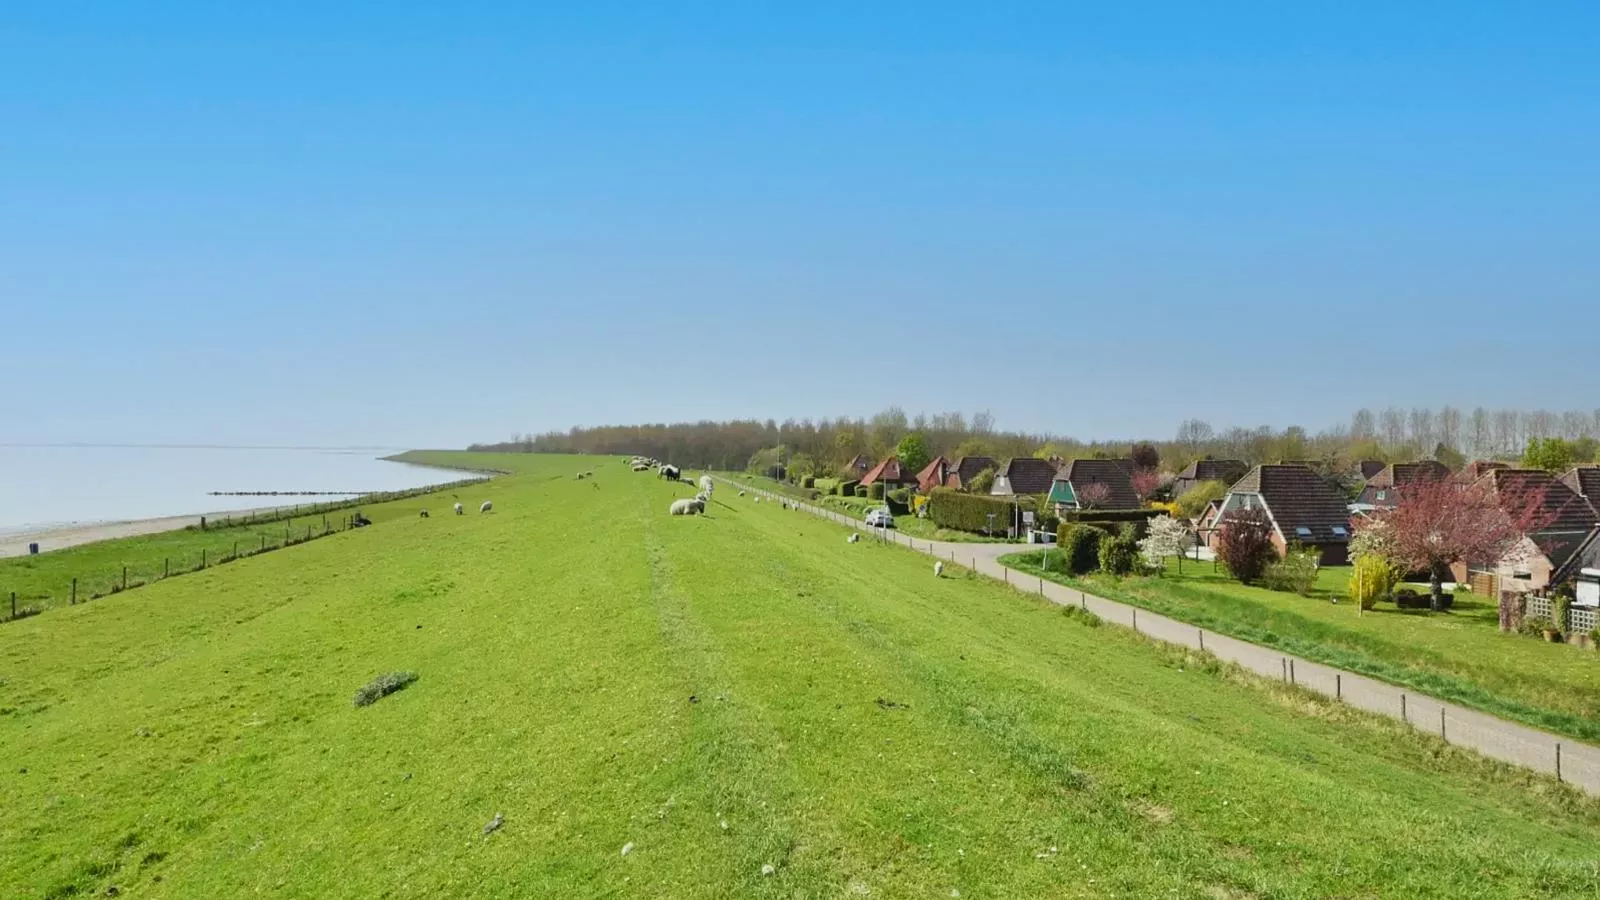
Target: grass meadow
x,y
740,704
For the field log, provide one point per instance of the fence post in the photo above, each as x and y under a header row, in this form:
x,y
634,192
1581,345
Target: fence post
x,y
74,592
1202,633
13,604
235,549
1285,662
1291,671
1136,619
1441,725
1338,686
166,567
124,576
1403,708
263,543
202,557
1558,761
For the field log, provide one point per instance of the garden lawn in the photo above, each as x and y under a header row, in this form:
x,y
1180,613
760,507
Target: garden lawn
x,y
1459,655
740,704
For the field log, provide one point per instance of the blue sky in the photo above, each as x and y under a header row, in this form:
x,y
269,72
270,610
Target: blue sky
x,y
399,223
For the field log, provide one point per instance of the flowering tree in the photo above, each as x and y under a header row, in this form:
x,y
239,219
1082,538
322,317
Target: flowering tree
x,y
1440,522
1145,482
1094,495
1167,537
1244,543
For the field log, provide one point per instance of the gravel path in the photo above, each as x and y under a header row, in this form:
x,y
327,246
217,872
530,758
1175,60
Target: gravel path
x,y
16,544
1572,761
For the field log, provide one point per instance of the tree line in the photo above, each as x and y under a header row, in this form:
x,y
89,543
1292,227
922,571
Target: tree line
x,y
1451,435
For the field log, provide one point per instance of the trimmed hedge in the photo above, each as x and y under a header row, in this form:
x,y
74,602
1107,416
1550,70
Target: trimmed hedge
x,y
875,490
1112,519
1080,547
808,482
846,488
970,512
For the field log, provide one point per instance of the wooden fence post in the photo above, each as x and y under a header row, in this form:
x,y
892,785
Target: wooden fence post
x,y
1291,671
1558,761
166,567
1338,686
124,576
1403,708
202,557
13,604
74,592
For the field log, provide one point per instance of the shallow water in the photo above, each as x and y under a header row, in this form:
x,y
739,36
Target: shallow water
x,y
55,486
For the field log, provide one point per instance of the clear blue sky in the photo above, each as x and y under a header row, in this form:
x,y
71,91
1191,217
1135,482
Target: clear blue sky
x,y
425,224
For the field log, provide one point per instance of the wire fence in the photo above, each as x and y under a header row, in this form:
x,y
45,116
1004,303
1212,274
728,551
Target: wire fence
x,y
226,540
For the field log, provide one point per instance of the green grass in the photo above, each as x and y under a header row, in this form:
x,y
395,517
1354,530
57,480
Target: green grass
x,y
1459,655
723,693
45,581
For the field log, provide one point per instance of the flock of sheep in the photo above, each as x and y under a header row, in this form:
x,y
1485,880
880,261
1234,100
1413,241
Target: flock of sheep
x,y
687,506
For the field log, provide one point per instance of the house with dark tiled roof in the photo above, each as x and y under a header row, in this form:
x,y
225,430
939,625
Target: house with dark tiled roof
x,y
1369,468
1567,540
934,474
1024,475
1482,467
1094,484
1303,506
891,473
1586,481
1383,489
859,466
1226,471
967,469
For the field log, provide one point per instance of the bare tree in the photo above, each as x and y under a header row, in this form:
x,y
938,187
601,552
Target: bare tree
x,y
1574,425
1506,432
1194,433
1392,424
1363,425
1421,428
1480,432
1449,427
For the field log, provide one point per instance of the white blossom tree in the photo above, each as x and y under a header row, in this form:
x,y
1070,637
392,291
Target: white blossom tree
x,y
1167,537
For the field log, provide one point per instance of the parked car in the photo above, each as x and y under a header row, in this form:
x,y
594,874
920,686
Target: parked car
x,y
880,518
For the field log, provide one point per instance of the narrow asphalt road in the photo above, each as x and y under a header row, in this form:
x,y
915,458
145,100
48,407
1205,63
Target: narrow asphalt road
x,y
1572,761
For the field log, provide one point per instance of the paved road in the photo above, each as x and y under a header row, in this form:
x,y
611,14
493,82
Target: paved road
x,y
1574,762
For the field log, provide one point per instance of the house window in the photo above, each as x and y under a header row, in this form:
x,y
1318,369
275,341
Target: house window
x,y
1383,495
1340,531
1302,531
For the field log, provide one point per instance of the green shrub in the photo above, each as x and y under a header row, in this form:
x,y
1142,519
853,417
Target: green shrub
x,y
861,490
875,490
1119,555
846,488
1112,520
1080,547
808,482
1371,578
1295,573
1082,615
1194,501
383,686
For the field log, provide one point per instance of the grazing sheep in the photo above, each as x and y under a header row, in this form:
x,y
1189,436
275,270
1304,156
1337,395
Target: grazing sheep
x,y
938,569
741,493
487,505
459,510
424,514
853,538
670,473
758,499
705,485
687,507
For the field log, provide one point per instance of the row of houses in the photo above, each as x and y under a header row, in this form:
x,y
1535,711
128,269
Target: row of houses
x,y
1304,508
1308,510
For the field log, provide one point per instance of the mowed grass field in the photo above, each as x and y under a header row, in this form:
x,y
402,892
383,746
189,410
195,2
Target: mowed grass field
x,y
718,695
1459,655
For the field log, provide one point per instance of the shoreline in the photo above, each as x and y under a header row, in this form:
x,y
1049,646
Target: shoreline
x,y
60,537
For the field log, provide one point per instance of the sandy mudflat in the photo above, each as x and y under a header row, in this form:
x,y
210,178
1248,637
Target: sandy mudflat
x,y
16,544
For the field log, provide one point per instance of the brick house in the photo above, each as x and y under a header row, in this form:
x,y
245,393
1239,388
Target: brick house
x,y
1226,471
891,473
967,469
934,474
1024,475
1555,553
1382,490
1303,506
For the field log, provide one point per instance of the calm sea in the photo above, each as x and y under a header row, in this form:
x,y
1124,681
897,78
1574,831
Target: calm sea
x,y
52,486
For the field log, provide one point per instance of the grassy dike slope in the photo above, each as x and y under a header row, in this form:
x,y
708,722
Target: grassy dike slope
x,y
856,724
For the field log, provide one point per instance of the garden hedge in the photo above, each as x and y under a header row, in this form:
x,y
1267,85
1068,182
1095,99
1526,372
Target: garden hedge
x,y
1080,546
1111,520
970,512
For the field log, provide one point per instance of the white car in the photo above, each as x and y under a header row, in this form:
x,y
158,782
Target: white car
x,y
880,518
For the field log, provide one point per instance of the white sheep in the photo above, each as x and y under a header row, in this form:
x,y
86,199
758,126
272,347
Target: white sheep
x,y
487,505
687,507
705,485
938,569
741,493
670,473
853,538
459,510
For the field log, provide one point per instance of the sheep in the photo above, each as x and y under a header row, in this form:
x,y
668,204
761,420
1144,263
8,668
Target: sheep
x,y
459,510
705,485
670,473
423,514
938,569
741,493
687,507
487,505
853,538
